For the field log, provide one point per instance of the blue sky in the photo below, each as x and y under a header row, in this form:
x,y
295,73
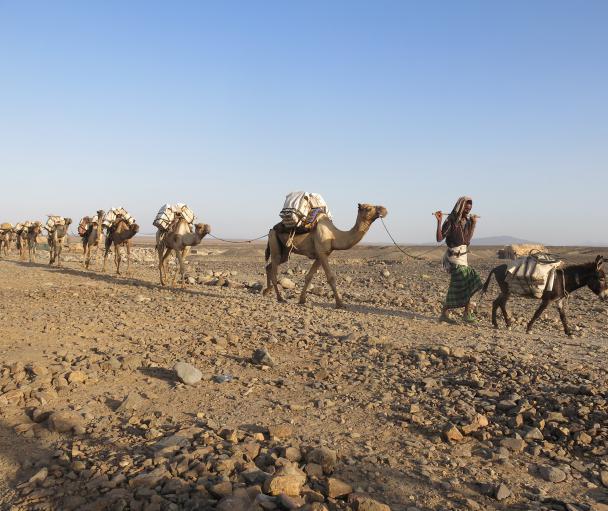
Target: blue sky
x,y
230,105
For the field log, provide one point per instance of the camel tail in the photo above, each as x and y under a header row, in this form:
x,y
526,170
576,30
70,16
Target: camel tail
x,y
487,283
267,253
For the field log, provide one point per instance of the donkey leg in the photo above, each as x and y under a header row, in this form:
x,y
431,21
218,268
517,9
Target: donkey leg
x,y
539,311
308,279
562,315
503,308
495,305
331,278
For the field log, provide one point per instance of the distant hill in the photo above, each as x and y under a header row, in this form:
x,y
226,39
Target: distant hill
x,y
500,240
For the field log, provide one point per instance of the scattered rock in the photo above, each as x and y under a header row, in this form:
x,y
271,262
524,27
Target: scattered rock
x,y
187,373
262,357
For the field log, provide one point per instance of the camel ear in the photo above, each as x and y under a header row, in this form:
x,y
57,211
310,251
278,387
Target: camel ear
x,y
359,206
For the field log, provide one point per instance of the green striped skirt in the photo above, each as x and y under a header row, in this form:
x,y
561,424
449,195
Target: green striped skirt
x,y
464,283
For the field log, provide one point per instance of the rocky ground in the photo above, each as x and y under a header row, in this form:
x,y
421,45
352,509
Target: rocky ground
x,y
118,394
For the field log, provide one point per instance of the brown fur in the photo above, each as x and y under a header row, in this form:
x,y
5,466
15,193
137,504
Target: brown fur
x,y
317,245
180,243
55,239
572,277
92,238
32,239
119,235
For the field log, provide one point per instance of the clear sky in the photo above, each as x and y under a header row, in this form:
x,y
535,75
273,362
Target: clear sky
x,y
230,105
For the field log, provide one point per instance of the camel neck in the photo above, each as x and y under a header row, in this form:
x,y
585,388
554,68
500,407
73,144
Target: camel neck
x,y
354,235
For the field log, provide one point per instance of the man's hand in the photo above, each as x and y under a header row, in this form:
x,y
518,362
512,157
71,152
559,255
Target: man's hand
x,y
438,215
474,218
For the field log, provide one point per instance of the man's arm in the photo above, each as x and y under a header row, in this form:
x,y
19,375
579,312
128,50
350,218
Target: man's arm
x,y
439,235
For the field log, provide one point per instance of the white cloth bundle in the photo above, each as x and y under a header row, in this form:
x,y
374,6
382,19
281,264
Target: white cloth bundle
x,y
456,256
531,276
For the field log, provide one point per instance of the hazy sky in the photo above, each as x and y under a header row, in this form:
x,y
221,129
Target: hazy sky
x,y
230,105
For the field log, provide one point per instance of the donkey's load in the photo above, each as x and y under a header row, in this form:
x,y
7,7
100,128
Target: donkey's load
x,y
114,214
167,214
533,275
301,209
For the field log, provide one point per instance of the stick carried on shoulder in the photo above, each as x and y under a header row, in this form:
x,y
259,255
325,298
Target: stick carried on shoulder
x,y
448,214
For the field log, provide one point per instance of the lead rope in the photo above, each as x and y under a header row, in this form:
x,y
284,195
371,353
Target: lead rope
x,y
243,241
417,257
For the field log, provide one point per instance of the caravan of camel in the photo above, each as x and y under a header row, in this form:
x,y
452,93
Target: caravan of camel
x,y
306,228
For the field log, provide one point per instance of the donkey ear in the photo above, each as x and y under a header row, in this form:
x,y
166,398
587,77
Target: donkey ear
x,y
599,261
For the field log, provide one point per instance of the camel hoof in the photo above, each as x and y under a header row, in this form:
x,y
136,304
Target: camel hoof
x,y
339,305
281,300
302,301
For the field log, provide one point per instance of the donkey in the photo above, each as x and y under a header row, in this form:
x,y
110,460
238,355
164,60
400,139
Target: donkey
x,y
567,280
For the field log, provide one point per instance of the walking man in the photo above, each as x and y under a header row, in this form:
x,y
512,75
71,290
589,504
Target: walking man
x,y
457,230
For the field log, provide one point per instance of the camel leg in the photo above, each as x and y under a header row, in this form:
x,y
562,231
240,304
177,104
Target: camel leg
x,y
117,259
163,267
268,279
178,254
539,311
128,257
275,282
503,308
105,257
96,254
308,279
331,278
182,269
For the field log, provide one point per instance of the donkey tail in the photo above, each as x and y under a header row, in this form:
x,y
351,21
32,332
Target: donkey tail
x,y
487,283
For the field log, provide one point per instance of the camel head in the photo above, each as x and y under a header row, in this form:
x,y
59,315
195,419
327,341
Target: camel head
x,y
134,229
202,229
68,221
371,213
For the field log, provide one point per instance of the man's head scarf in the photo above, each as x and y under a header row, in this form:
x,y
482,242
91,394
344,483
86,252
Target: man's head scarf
x,y
458,210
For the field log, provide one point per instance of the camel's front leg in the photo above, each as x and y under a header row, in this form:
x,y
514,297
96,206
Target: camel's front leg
x,y
105,257
95,255
331,278
274,270
308,279
117,259
129,257
163,265
182,269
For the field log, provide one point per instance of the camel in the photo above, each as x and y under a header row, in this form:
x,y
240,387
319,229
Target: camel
x,y
21,242
6,237
92,238
179,225
180,244
119,235
32,239
317,245
56,238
